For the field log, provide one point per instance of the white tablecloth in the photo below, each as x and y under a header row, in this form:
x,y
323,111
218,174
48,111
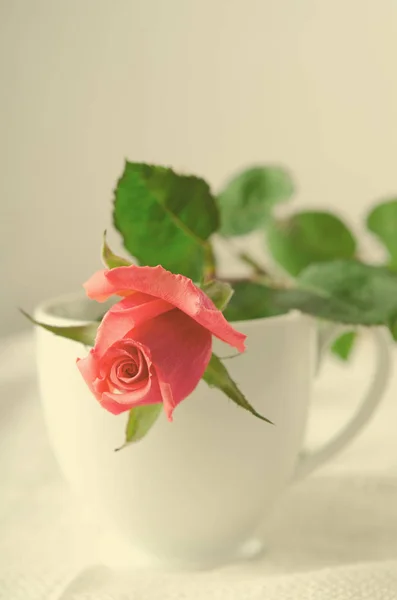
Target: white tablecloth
x,y
334,536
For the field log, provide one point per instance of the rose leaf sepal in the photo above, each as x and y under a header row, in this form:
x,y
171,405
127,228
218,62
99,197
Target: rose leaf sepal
x,y
219,292
140,421
216,375
85,334
111,260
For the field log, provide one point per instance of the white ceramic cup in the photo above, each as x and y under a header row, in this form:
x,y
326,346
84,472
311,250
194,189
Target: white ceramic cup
x,y
193,492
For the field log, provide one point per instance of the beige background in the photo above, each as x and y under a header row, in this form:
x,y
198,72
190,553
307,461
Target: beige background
x,y
205,85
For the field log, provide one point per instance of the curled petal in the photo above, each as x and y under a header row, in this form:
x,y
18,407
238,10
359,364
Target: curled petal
x,y
177,290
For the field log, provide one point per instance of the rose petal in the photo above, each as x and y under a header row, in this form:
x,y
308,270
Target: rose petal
x,y
124,316
89,369
177,290
99,289
93,369
180,351
118,403
120,378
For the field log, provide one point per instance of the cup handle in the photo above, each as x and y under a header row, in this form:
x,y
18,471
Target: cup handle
x,y
309,461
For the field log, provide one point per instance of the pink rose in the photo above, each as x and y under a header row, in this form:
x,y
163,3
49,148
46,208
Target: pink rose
x,y
155,344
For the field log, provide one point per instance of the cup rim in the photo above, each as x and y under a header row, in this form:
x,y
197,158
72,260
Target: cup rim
x,y
44,312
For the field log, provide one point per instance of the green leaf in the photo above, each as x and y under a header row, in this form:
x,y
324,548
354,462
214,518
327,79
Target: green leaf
x,y
343,345
111,260
165,218
252,300
367,292
140,420
220,292
393,330
216,375
342,291
78,333
246,201
308,237
382,221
